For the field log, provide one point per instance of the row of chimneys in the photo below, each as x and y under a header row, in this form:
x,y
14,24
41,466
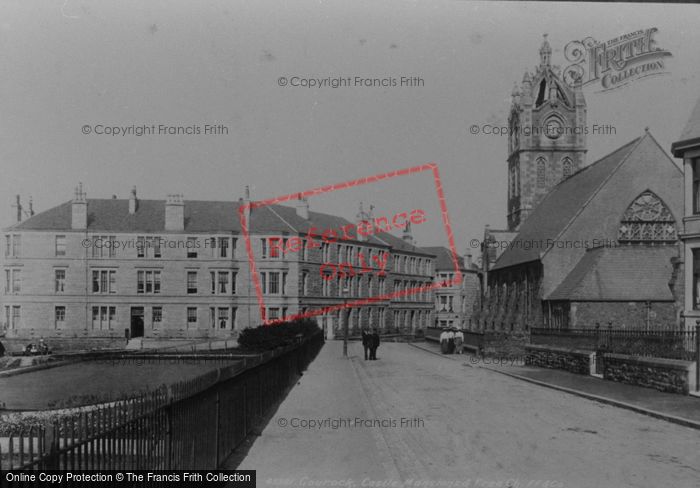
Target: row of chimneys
x,y
175,211
19,212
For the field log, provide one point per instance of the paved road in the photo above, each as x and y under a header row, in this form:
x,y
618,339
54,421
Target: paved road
x,y
476,428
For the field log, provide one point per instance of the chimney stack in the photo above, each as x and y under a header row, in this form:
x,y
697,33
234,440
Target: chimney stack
x,y
133,202
18,207
79,209
245,202
468,260
363,219
302,207
175,213
407,236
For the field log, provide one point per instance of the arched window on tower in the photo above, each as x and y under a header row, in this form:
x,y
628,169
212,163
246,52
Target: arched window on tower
x,y
541,173
646,220
542,93
567,168
511,181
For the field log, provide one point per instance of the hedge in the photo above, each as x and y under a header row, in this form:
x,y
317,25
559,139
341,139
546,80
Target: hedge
x,y
266,337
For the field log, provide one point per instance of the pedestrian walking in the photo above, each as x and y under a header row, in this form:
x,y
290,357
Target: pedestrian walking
x,y
443,341
366,337
373,344
450,341
459,341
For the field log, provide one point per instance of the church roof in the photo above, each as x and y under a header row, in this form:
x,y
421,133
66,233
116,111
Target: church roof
x,y
690,135
626,273
559,207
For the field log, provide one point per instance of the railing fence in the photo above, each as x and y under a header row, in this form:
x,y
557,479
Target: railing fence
x,y
669,344
195,424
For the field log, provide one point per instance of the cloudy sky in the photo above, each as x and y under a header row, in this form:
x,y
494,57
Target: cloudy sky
x,y
71,63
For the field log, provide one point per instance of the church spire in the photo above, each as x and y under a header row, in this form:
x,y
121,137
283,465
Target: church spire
x,y
545,53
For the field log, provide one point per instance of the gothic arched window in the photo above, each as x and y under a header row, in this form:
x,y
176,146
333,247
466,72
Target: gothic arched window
x,y
541,173
542,93
567,168
647,219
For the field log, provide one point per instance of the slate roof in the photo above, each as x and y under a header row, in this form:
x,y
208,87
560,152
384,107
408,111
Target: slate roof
x,y
691,133
559,207
626,273
443,259
112,215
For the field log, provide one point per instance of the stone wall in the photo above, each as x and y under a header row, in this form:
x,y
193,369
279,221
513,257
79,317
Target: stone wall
x,y
505,344
572,360
669,375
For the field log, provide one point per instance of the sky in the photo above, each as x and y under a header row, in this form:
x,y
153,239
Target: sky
x,y
69,64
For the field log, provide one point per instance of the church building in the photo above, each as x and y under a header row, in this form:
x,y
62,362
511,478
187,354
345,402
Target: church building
x,y
590,244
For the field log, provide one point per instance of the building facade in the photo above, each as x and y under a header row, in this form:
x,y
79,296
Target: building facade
x,y
454,302
585,244
105,268
687,148
602,247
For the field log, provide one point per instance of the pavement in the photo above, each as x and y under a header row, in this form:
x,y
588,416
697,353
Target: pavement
x,y
414,418
328,389
681,409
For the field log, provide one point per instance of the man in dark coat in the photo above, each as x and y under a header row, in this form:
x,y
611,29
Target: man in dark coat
x,y
373,344
366,336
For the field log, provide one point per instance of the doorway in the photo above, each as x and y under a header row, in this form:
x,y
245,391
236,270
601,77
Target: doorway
x,y
136,322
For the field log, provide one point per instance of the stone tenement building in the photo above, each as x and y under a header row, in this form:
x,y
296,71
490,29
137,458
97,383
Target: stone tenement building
x,y
585,244
454,304
96,268
688,149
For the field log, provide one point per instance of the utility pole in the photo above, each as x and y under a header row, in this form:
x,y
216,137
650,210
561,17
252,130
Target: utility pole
x,y
346,325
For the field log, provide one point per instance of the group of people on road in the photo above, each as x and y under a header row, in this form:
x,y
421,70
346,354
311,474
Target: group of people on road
x,y
34,350
370,343
451,341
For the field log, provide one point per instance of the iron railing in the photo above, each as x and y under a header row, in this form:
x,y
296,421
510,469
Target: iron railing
x,y
195,424
669,344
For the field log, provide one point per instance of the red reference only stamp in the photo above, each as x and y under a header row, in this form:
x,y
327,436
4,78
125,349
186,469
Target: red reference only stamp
x,y
365,246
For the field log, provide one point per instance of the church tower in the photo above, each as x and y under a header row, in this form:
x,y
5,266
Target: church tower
x,y
547,138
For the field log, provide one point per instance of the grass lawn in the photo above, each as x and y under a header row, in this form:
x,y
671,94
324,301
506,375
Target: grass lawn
x,y
80,383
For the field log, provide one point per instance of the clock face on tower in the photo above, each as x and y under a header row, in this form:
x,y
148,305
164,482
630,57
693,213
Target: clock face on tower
x,y
553,128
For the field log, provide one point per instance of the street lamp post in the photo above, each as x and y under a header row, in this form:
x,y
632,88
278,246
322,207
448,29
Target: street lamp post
x,y
346,326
